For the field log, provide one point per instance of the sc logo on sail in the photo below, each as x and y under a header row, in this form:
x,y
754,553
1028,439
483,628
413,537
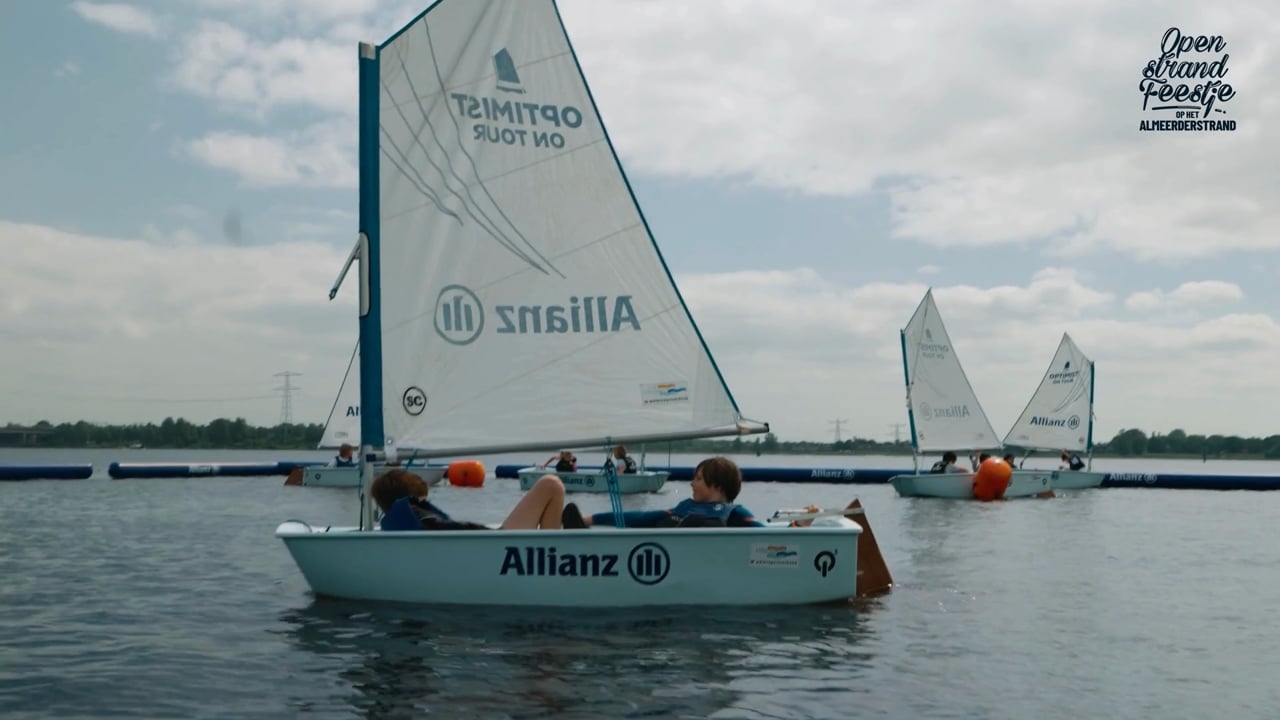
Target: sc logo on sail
x,y
459,316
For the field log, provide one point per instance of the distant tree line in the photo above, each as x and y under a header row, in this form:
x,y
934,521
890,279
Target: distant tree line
x,y
220,433
1126,443
238,434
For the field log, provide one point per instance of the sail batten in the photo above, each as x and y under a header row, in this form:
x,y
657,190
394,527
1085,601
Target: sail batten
x,y
944,410
523,300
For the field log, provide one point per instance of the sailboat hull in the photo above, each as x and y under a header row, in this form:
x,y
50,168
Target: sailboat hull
x,y
1076,479
959,486
645,481
349,477
599,567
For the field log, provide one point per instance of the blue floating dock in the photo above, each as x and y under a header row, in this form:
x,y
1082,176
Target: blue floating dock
x,y
862,476
873,476
46,472
122,471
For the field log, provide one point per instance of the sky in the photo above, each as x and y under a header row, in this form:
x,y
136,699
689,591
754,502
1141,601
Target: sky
x,y
178,193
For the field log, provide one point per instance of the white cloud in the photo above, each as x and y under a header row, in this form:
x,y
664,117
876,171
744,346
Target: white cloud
x,y
102,336
124,329
797,349
70,68
120,17
929,269
1187,294
1014,122
1017,124
320,156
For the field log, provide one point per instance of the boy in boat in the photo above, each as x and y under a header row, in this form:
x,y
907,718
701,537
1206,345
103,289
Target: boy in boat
x,y
402,496
716,483
947,464
565,462
1071,461
624,462
343,458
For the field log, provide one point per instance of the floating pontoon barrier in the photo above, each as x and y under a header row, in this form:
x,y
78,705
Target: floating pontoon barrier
x,y
121,471
1178,481
46,472
759,474
875,476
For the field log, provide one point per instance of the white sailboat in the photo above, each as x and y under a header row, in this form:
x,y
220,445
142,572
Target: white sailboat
x,y
1059,415
944,414
343,426
512,299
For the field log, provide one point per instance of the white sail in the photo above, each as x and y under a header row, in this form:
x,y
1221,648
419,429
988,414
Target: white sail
x,y
1060,412
343,425
524,302
945,414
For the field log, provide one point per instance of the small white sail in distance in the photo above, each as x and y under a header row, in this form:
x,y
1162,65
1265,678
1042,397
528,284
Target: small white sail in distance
x,y
1059,415
343,425
945,413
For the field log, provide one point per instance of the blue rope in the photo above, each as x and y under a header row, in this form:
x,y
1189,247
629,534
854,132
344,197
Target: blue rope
x,y
615,493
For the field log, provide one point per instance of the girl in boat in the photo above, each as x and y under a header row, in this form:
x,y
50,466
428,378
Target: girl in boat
x,y
402,496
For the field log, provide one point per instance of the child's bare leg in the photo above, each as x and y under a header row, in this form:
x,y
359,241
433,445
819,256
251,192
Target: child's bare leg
x,y
539,508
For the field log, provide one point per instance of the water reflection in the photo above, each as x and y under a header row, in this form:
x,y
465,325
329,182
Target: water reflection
x,y
536,663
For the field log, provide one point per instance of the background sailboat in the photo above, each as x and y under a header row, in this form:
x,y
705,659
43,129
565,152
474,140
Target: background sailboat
x,y
343,426
512,298
1059,415
943,412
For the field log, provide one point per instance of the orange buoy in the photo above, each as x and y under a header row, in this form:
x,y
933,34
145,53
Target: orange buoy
x,y
465,473
992,479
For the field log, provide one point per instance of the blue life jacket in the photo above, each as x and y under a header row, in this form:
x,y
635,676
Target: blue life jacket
x,y
716,513
401,516
339,461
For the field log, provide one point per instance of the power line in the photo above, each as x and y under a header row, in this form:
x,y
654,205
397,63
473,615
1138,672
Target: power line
x,y
897,431
286,400
837,424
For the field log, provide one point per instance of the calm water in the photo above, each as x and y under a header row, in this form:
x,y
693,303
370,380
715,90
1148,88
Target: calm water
x,y
171,598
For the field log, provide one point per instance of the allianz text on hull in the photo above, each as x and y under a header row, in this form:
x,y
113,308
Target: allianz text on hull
x,y
581,568
645,481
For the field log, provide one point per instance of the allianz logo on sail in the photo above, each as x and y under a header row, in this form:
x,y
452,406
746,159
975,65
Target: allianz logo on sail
x,y
928,412
460,316
1070,423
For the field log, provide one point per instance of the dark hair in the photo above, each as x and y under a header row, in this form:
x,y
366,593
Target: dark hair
x,y
395,484
723,474
948,457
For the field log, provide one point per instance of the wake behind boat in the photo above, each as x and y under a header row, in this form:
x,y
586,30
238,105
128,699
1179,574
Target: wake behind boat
x,y
944,414
513,299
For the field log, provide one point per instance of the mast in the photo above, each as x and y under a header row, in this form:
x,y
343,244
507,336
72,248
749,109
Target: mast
x,y
1089,437
371,429
911,417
